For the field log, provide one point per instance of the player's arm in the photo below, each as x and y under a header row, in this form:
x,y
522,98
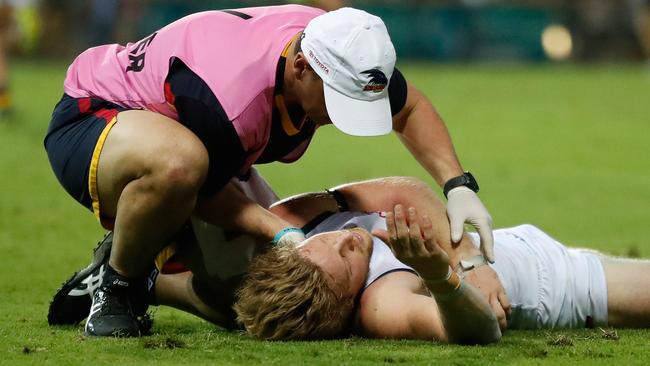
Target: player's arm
x,y
397,306
374,195
384,194
403,229
178,290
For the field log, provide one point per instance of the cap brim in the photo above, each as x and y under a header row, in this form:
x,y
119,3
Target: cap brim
x,y
358,117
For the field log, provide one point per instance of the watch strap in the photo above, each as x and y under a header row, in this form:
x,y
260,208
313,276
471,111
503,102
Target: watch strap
x,y
467,180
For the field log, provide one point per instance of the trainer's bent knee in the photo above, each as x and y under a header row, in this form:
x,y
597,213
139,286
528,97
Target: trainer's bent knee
x,y
184,171
144,144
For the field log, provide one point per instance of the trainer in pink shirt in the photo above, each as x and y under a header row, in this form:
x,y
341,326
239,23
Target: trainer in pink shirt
x,y
234,51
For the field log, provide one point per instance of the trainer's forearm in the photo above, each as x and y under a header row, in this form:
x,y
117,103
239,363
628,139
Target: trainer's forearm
x,y
423,132
232,210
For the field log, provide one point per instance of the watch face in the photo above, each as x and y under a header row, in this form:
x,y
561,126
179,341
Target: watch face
x,y
470,181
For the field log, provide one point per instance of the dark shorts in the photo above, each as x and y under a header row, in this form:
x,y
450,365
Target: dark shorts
x,y
74,141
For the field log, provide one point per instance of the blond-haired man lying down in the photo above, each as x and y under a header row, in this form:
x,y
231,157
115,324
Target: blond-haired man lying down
x,y
330,282
349,280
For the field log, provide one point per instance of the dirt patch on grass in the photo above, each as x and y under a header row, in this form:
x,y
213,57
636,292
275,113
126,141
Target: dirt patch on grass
x,y
163,342
560,340
610,334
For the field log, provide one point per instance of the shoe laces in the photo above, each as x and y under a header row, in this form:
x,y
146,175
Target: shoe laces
x,y
114,301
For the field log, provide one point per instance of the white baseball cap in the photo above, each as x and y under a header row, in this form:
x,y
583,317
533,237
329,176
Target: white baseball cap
x,y
352,52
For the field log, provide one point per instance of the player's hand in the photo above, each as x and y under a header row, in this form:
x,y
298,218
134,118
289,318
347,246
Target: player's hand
x,y
464,206
411,238
485,279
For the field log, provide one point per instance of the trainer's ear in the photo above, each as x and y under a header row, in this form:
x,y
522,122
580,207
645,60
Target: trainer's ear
x,y
300,66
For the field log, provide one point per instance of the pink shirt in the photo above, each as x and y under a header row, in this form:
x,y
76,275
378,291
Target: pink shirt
x,y
235,55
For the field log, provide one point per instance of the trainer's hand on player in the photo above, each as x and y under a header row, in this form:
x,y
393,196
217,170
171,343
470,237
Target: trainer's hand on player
x,y
464,206
411,238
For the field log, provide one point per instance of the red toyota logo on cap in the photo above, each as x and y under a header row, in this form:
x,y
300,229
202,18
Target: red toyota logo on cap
x,y
317,61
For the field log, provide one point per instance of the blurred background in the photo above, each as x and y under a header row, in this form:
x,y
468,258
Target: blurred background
x,y
439,30
524,30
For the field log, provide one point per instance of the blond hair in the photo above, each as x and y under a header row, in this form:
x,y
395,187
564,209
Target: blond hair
x,y
286,296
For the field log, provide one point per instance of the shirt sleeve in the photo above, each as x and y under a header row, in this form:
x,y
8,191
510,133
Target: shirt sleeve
x,y
397,91
199,110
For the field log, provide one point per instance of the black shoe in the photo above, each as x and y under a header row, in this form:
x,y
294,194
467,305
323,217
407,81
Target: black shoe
x,y
71,303
111,313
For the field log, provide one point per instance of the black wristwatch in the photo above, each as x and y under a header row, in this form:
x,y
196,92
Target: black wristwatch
x,y
467,180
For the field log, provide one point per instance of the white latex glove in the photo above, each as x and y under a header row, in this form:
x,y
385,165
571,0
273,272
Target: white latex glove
x,y
464,206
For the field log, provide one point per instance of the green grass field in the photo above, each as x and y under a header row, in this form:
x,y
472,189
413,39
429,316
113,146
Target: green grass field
x,y
565,148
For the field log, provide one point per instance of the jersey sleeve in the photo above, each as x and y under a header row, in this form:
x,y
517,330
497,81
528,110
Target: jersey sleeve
x,y
397,92
199,110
